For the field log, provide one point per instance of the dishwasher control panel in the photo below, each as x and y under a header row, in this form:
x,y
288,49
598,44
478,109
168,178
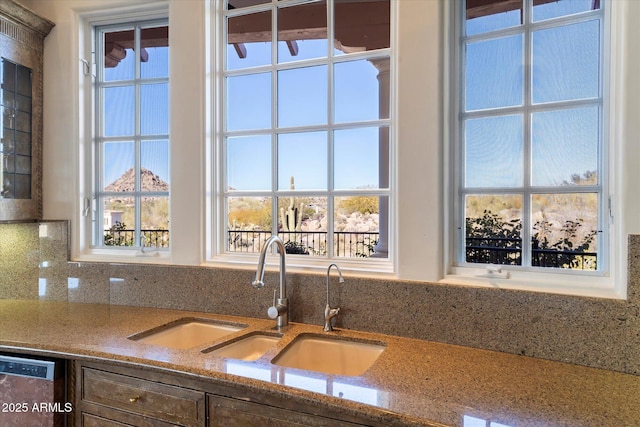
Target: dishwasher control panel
x,y
23,367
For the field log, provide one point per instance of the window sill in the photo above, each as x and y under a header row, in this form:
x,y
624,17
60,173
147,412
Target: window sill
x,y
561,283
125,256
378,269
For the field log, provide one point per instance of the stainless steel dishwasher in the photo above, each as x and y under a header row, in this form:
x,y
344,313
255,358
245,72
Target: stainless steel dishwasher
x,y
32,392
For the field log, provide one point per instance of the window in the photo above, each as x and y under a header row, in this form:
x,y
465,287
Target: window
x,y
531,154
132,135
306,140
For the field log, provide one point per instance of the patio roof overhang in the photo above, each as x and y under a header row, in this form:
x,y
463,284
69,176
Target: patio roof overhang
x,y
480,8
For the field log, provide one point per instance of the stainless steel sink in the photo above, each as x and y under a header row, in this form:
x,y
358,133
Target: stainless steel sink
x,y
187,333
329,355
248,349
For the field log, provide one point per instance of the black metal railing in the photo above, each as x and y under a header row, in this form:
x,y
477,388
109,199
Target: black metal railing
x,y
345,243
126,237
507,251
564,259
482,250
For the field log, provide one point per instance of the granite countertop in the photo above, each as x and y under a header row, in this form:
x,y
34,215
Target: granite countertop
x,y
414,382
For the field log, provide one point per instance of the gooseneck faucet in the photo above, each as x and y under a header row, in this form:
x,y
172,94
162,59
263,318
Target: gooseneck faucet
x,y
330,313
280,308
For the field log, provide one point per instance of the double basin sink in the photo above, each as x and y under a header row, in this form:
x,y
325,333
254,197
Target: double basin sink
x,y
326,354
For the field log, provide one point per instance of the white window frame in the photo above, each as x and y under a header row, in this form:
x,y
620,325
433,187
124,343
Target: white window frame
x,y
88,221
137,138
420,220
216,254
609,283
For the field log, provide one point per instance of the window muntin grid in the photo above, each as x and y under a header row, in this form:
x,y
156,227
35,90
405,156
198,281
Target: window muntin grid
x,y
523,117
301,97
131,147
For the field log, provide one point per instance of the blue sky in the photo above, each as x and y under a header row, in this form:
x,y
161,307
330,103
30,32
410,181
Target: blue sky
x,y
119,117
302,101
565,67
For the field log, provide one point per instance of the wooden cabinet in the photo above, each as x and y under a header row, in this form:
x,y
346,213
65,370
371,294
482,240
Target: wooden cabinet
x,y
90,420
114,396
227,412
118,398
22,36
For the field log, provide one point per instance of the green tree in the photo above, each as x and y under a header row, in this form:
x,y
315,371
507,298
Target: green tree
x,y
247,211
565,251
118,235
492,240
363,204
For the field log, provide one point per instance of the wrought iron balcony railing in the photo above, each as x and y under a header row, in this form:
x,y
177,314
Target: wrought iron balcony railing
x,y
126,237
484,250
507,251
345,243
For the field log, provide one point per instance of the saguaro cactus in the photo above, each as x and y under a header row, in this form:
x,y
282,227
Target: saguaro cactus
x,y
291,218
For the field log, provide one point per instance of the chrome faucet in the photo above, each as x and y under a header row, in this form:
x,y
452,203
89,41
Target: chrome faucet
x,y
330,313
280,308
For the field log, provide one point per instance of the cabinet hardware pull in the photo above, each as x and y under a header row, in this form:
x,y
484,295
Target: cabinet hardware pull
x,y
134,399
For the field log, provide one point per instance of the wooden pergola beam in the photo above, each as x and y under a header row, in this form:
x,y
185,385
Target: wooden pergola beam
x,y
117,42
480,8
359,24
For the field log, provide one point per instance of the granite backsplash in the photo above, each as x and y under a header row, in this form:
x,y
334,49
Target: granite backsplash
x,y
602,333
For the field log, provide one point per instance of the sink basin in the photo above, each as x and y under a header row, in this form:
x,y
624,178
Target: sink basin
x,y
249,348
329,355
187,333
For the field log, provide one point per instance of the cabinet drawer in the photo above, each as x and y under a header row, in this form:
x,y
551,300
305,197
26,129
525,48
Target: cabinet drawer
x,y
227,412
113,418
161,401
89,420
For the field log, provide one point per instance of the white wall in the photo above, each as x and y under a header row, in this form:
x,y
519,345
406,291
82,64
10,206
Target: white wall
x,y
628,126
420,221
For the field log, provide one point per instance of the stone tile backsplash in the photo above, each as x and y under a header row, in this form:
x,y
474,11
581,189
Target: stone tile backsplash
x,y
594,332
34,260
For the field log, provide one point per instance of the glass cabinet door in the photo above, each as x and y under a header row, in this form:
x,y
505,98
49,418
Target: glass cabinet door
x,y
15,133
22,35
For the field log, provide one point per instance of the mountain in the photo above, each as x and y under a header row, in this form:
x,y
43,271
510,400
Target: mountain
x,y
149,181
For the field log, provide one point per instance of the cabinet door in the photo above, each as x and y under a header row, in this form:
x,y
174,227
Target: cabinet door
x,y
22,35
227,412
